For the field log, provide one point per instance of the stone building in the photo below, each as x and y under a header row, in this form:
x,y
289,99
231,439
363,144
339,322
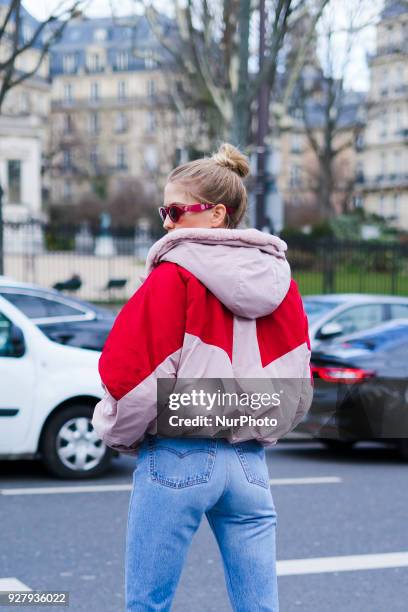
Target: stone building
x,y
111,114
382,166
23,122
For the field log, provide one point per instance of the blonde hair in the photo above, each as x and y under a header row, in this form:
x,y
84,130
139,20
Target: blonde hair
x,y
217,180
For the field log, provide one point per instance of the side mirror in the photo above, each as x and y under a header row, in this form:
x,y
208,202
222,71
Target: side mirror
x,y
330,330
16,341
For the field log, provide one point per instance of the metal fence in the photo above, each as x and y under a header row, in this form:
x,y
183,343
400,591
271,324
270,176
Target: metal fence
x,y
331,266
100,266
107,266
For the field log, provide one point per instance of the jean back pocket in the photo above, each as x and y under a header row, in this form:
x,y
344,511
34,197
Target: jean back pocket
x,y
181,462
251,455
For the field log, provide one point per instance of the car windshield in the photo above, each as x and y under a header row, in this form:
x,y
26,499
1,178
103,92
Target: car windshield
x,y
377,341
38,305
316,309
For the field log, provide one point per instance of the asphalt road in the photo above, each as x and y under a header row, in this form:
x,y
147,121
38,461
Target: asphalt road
x,y
75,541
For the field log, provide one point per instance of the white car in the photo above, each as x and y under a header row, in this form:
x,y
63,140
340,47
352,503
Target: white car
x,y
48,391
334,315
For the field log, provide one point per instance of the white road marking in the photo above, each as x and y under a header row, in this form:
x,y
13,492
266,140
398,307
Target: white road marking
x,y
306,480
73,489
128,487
348,563
13,584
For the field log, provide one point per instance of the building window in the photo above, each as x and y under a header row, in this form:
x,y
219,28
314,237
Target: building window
x,y
390,34
358,201
121,122
396,205
122,90
94,91
383,165
150,155
398,122
27,32
384,123
151,88
381,205
296,143
94,62
397,163
121,157
68,63
384,82
68,92
294,180
25,102
93,156
67,191
100,34
399,78
150,62
68,125
67,161
14,181
122,60
359,172
150,122
94,123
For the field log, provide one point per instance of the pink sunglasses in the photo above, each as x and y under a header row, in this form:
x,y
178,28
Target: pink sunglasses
x,y
175,211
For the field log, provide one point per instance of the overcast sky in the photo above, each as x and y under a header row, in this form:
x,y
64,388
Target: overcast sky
x,y
357,76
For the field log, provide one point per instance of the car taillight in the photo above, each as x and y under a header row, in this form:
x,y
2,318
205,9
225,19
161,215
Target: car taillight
x,y
340,374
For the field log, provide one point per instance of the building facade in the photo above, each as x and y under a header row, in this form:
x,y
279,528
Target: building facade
x,y
23,123
111,114
382,166
314,149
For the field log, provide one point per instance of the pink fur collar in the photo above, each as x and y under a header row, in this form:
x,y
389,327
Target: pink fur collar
x,y
231,237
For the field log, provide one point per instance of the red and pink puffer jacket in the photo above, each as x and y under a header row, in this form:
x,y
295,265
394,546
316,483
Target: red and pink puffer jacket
x,y
214,303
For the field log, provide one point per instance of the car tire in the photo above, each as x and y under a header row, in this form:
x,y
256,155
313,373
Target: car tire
x,y
72,426
402,446
342,446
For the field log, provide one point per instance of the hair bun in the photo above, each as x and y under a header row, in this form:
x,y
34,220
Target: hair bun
x,y
230,157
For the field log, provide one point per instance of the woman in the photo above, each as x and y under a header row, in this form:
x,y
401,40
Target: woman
x,y
217,302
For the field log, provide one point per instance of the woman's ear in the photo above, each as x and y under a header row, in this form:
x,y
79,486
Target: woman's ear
x,y
218,216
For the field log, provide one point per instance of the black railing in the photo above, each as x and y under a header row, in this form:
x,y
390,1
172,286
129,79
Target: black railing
x,y
47,255
331,266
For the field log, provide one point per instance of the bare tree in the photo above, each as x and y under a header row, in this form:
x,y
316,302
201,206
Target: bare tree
x,y
14,41
214,50
330,118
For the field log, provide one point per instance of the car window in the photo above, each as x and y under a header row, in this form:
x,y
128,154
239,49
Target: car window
x,y
4,335
315,309
36,307
399,311
358,318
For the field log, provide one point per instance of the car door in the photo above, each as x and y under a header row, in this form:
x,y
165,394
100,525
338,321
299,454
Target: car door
x,y
17,380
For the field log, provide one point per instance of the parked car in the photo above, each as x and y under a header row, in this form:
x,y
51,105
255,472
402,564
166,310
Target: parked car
x,y
63,319
332,316
49,351
361,388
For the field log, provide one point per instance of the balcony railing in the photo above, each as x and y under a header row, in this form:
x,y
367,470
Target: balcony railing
x,y
382,181
86,103
396,47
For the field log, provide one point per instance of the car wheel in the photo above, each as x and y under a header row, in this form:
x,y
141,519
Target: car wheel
x,y
338,445
402,446
70,447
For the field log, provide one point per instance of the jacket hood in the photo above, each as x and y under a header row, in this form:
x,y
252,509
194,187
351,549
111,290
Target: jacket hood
x,y
246,269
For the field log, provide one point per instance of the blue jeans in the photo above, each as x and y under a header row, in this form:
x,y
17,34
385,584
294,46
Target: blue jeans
x,y
175,482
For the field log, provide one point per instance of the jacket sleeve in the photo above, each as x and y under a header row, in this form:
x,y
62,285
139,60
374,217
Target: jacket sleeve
x,y
144,344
